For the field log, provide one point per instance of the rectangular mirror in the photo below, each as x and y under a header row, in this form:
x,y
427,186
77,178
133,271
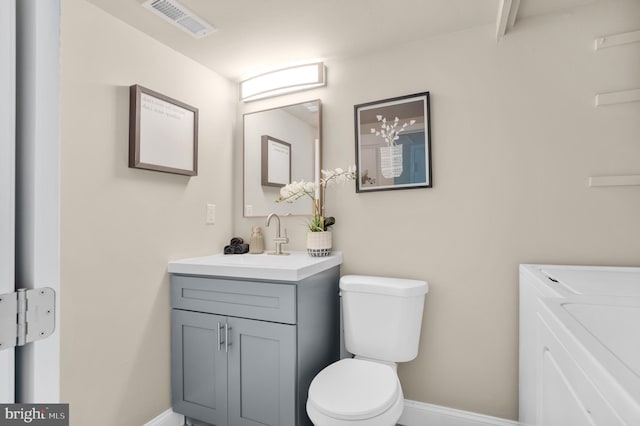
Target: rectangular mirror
x,y
279,148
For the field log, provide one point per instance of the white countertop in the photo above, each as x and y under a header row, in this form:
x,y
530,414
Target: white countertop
x,y
297,266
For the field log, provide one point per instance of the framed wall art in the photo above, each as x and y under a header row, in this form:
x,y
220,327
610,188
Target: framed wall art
x,y
163,133
393,143
276,162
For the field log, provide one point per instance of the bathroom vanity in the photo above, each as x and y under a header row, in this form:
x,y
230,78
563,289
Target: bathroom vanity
x,y
579,346
249,333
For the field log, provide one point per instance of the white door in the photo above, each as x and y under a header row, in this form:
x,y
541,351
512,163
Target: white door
x,y
7,186
29,184
37,219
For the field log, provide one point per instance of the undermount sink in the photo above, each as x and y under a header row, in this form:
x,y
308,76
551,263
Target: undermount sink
x,y
295,267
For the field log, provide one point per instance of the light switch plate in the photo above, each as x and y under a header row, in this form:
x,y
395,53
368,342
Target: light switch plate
x,y
211,214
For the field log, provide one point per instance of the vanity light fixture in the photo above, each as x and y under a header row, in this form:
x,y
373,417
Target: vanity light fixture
x,y
282,81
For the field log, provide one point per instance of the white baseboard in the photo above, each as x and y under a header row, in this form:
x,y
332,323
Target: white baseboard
x,y
415,414
419,414
167,418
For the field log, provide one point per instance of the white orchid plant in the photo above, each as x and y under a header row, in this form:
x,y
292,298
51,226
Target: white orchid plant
x,y
295,190
390,131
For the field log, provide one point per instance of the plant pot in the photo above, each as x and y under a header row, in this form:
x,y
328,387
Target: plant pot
x,y
391,161
319,243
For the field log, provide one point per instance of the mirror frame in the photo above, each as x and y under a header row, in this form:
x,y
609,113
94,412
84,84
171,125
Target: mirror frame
x,y
244,147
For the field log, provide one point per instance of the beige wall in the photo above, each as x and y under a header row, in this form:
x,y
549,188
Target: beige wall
x,y
515,136
120,226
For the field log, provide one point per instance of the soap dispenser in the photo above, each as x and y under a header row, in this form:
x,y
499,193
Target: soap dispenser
x,y
256,245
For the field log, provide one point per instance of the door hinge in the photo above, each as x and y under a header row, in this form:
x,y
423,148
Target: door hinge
x,y
26,316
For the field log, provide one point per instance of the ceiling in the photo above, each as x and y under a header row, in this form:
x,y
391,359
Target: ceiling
x,y
254,35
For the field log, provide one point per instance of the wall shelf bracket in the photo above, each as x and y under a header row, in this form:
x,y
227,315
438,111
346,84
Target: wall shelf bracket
x,y
617,39
507,12
623,96
631,180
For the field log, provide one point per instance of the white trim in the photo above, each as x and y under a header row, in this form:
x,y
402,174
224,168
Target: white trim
x,y
167,418
7,179
420,414
415,414
37,185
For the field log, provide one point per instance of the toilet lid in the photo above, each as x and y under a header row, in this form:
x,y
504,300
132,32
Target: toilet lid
x,y
354,389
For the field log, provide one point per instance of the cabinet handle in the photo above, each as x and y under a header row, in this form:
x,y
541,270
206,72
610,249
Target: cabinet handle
x,y
226,337
219,335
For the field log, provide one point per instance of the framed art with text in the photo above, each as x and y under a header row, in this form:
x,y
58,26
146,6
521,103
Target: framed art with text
x,y
276,162
163,133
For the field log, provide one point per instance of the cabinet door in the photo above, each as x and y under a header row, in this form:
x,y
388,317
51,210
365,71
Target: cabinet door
x,y
561,405
566,394
199,366
262,373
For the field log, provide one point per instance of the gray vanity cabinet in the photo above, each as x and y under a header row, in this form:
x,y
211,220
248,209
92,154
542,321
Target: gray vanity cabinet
x,y
199,368
243,352
262,371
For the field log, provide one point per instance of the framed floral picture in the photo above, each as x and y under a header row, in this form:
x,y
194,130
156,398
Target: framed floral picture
x,y
393,143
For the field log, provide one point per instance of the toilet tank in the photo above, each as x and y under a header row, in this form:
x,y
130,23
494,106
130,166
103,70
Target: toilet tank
x,y
382,316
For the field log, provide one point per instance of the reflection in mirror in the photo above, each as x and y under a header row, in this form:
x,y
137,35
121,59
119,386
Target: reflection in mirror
x,y
279,148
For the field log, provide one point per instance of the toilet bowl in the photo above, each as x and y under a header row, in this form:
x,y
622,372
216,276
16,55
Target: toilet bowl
x,y
382,321
355,392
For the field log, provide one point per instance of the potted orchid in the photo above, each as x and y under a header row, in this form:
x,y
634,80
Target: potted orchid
x,y
319,237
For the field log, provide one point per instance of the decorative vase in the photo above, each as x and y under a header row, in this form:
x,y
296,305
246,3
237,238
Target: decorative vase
x,y
391,161
319,243
256,244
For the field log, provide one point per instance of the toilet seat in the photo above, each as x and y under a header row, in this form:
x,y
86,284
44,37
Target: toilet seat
x,y
354,389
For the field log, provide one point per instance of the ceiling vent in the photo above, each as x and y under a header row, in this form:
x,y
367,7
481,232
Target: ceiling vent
x,y
180,16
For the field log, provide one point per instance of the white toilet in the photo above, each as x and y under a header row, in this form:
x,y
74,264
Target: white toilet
x,y
382,320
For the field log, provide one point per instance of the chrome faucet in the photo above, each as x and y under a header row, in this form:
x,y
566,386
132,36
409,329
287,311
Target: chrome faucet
x,y
278,240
